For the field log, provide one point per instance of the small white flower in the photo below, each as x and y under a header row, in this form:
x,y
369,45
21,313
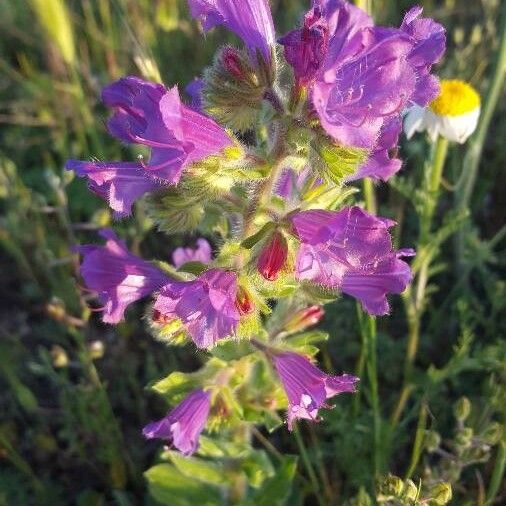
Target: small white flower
x,y
453,115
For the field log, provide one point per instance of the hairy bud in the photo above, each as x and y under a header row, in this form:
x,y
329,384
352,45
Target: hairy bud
x,y
244,301
441,494
493,433
233,89
304,318
462,409
432,440
273,257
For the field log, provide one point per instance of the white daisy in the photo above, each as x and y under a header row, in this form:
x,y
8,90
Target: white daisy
x,y
453,114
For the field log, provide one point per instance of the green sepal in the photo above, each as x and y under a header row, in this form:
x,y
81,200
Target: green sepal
x,y
307,338
193,267
249,242
335,162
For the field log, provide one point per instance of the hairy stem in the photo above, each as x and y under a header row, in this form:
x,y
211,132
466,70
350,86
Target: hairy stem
x,y
472,160
308,465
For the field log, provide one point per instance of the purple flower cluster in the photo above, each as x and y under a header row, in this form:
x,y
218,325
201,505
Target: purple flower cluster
x,y
358,79
150,115
361,77
205,305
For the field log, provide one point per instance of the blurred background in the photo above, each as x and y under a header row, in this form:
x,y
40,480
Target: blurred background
x,y
73,394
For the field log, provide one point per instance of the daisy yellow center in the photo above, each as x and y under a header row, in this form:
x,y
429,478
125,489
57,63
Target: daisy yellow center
x,y
456,98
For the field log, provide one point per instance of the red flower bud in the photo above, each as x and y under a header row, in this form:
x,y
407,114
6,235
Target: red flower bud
x,y
243,301
232,62
304,318
273,257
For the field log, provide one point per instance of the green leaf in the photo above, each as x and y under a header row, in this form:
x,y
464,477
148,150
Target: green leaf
x,y
335,162
257,468
276,490
306,338
216,448
172,488
231,349
249,242
175,385
203,470
193,267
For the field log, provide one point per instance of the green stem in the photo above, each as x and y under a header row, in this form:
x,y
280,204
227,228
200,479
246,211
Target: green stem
x,y
368,331
414,296
497,475
472,160
419,439
309,466
369,196
433,186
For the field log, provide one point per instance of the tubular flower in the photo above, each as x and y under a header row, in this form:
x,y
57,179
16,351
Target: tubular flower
x,y
351,251
251,20
182,426
306,387
306,48
147,113
273,257
205,306
202,253
118,183
453,115
360,77
118,277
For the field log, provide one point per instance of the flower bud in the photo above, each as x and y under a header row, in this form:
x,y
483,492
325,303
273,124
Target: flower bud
x,y
462,408
96,349
304,318
464,437
441,494
233,63
273,257
233,90
59,357
493,433
391,486
243,301
410,491
432,441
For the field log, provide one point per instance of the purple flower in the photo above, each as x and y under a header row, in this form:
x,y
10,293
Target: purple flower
x,y
362,77
382,163
202,253
251,20
118,277
149,114
182,426
205,306
305,49
306,387
290,183
429,43
351,251
365,90
119,183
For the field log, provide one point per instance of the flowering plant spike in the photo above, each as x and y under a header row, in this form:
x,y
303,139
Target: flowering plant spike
x,y
254,173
